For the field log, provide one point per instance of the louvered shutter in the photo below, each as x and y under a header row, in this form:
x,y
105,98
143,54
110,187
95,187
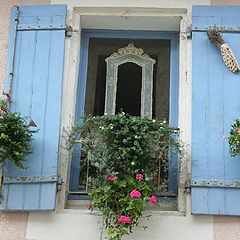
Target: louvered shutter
x,y
36,58
215,106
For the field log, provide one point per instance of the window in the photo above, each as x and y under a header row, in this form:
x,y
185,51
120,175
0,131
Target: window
x,y
99,45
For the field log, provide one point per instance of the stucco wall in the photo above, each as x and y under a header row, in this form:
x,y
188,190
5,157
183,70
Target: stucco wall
x,y
84,225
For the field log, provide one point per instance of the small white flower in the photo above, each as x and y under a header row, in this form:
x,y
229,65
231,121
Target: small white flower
x,y
154,120
132,163
101,127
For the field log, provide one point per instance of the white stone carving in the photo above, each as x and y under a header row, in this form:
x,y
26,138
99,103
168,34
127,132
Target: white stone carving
x,y
134,55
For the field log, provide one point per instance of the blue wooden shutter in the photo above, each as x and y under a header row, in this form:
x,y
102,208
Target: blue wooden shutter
x,y
36,61
215,106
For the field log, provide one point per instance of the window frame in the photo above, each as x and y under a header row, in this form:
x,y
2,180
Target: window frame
x,y
86,35
95,18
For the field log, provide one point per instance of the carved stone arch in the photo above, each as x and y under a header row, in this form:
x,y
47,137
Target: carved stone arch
x,y
125,55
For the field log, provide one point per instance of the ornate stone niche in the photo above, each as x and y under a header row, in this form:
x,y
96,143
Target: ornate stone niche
x,y
129,54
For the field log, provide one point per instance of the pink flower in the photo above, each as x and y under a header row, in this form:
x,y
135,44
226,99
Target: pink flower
x,y
139,177
124,219
4,109
111,178
238,130
135,194
152,199
90,206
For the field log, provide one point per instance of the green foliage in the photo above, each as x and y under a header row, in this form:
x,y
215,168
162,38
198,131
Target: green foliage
x,y
15,138
3,104
122,147
113,199
234,139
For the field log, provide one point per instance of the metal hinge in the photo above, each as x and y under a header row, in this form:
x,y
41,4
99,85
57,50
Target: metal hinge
x,y
68,31
59,183
189,32
30,179
188,186
216,183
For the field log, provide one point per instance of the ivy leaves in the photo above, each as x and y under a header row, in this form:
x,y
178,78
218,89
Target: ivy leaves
x,y
125,152
15,138
234,139
124,144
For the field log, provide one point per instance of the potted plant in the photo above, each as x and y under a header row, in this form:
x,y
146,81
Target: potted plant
x,y
15,136
123,153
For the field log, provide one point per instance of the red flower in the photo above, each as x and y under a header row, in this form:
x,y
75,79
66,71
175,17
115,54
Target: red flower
x,y
238,130
4,109
90,206
135,194
139,177
152,199
124,219
111,178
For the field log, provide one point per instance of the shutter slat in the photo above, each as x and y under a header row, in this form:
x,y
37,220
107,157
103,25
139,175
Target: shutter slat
x,y
215,106
36,93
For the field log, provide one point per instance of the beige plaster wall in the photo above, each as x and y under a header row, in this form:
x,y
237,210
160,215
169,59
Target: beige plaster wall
x,y
226,228
13,226
225,2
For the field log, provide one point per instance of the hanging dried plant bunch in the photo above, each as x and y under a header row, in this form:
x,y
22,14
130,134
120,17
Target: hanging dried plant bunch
x,y
215,37
229,58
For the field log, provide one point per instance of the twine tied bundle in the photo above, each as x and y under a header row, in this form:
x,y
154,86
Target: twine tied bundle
x,y
228,57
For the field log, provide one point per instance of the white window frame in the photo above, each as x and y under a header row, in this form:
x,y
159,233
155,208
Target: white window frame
x,y
164,19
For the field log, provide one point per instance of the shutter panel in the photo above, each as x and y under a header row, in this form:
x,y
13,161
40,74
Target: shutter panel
x,y
38,58
215,106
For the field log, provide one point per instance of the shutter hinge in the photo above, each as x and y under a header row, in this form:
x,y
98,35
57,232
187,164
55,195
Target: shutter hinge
x,y
30,179
68,31
188,186
189,32
215,183
59,183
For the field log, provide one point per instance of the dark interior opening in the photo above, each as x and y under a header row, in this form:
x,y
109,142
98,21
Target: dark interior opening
x,y
129,88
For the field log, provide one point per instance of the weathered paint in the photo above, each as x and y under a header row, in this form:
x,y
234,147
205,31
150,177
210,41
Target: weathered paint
x,y
5,10
226,226
12,225
36,92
